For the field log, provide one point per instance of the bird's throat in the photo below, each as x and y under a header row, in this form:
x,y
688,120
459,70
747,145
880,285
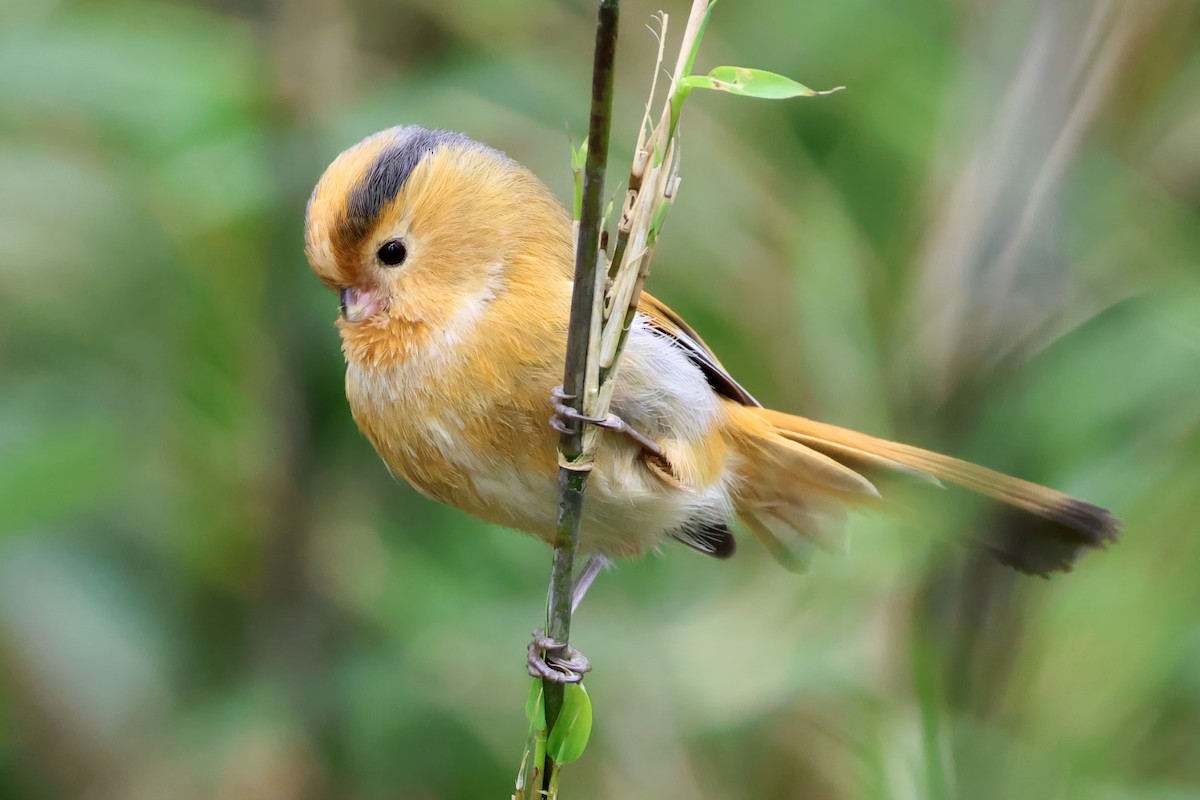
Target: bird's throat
x,y
381,340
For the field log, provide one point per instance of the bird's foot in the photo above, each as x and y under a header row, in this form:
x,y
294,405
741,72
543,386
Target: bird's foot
x,y
555,661
563,414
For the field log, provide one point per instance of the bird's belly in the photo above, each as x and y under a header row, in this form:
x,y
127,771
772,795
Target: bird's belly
x,y
627,511
493,454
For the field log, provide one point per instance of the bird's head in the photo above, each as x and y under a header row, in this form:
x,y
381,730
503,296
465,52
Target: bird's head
x,y
415,227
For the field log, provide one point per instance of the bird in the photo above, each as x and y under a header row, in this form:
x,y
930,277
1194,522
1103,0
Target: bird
x,y
453,266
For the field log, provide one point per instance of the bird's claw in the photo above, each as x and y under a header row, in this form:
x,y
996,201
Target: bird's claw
x,y
555,661
564,413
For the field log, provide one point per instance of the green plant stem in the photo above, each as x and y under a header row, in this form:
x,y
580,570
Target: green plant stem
x,y
573,474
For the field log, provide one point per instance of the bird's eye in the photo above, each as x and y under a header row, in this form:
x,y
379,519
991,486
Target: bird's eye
x,y
392,253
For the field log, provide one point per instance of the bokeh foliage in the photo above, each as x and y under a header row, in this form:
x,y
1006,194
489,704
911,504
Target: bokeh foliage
x,y
989,244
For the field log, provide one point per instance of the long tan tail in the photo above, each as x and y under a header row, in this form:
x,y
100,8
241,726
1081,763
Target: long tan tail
x,y
795,466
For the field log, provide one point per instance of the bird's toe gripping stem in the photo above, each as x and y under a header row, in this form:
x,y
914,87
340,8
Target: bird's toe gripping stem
x,y
555,661
563,413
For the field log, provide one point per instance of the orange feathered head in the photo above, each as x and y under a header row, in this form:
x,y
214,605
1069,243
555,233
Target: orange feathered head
x,y
409,220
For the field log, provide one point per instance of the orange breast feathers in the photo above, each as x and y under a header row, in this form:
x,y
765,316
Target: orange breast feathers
x,y
453,267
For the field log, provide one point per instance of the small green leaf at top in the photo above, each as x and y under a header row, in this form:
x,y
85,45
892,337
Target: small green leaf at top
x,y
752,83
573,728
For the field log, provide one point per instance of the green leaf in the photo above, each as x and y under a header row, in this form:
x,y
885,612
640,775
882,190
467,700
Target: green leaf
x,y
752,83
573,728
691,56
578,162
579,156
656,223
535,709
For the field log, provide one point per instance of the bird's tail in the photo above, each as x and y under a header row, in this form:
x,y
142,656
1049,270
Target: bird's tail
x,y
798,473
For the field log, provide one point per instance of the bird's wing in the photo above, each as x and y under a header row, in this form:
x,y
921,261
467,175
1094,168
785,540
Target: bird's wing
x,y
667,322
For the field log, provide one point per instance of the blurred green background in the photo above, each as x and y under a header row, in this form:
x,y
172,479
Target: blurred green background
x,y
989,244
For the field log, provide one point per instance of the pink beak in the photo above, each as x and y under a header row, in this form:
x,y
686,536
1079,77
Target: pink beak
x,y
359,304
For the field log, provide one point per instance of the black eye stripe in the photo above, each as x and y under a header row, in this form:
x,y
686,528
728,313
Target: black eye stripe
x,y
392,252
388,174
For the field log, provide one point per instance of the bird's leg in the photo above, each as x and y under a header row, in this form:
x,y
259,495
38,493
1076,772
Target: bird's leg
x,y
563,413
569,666
590,570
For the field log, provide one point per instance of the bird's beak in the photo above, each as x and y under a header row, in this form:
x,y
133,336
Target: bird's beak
x,y
359,304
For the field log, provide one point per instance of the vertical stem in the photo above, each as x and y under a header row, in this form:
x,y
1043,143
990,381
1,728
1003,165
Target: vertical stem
x,y
572,478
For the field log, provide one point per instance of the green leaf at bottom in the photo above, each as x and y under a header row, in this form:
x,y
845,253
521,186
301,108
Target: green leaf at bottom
x,y
573,728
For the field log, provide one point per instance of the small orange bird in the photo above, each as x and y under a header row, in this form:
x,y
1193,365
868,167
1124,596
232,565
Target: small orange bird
x,y
454,267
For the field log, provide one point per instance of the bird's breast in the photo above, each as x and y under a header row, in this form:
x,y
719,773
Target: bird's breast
x,y
449,419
